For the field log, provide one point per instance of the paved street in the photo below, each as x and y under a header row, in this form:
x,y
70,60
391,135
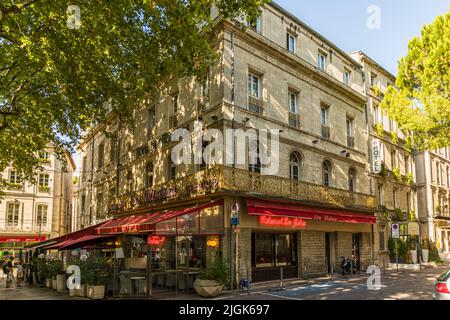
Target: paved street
x,y
402,285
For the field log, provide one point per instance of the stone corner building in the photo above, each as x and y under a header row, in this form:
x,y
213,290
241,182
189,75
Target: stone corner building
x,y
320,206
32,213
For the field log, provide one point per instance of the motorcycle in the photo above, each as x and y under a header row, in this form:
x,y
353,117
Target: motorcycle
x,y
348,266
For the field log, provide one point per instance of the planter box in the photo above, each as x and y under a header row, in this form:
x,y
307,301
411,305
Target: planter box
x,y
48,283
413,254
208,288
95,292
54,284
425,255
61,283
81,292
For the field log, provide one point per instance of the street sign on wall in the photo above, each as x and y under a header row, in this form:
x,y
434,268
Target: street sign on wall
x,y
395,231
376,156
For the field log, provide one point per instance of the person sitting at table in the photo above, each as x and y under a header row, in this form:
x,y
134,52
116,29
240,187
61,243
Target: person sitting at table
x,y
195,262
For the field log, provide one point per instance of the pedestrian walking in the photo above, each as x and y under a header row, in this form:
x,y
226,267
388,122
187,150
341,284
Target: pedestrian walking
x,y
8,270
20,273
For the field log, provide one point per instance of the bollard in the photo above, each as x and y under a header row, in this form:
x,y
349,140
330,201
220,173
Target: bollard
x,y
281,278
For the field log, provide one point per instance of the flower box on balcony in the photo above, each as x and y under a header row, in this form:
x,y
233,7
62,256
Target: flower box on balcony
x,y
15,186
44,189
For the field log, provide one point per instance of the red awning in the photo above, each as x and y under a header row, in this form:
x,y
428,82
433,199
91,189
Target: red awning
x,y
83,241
146,222
272,208
57,245
62,240
21,238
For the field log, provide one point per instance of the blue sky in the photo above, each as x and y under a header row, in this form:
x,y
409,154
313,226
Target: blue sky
x,y
343,22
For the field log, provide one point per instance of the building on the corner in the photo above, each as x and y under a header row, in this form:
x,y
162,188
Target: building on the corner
x,y
315,210
35,212
433,191
393,183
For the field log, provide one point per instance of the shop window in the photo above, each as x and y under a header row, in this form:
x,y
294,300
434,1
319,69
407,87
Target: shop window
x,y
191,252
211,220
188,223
271,250
284,250
167,227
263,250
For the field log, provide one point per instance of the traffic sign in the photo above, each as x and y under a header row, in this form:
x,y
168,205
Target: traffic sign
x,y
234,214
395,231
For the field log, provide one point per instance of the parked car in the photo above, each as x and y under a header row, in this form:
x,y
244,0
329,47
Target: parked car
x,y
441,289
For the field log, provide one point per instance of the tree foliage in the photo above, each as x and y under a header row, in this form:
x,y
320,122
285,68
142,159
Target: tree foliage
x,y
57,81
421,103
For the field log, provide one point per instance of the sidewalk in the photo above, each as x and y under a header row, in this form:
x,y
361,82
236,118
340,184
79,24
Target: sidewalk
x,y
263,290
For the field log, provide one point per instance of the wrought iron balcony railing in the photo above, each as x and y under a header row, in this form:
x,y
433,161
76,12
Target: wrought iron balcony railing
x,y
223,179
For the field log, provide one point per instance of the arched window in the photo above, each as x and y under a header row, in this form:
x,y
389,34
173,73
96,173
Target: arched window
x,y
352,179
294,166
149,175
326,173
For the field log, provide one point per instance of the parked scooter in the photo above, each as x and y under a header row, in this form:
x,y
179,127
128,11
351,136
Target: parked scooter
x,y
348,266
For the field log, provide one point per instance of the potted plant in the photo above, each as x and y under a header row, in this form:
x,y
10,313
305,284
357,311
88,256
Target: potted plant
x,y
397,175
412,249
398,214
425,249
97,277
84,270
211,283
55,269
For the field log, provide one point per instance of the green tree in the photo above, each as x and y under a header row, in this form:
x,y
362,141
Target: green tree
x,y
58,79
421,101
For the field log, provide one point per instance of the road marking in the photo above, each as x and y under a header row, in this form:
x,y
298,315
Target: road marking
x,y
277,296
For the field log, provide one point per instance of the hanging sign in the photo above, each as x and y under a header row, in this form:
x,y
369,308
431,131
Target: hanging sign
x,y
376,156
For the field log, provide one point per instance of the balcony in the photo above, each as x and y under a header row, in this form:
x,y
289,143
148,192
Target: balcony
x,y
15,186
221,179
44,189
442,212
